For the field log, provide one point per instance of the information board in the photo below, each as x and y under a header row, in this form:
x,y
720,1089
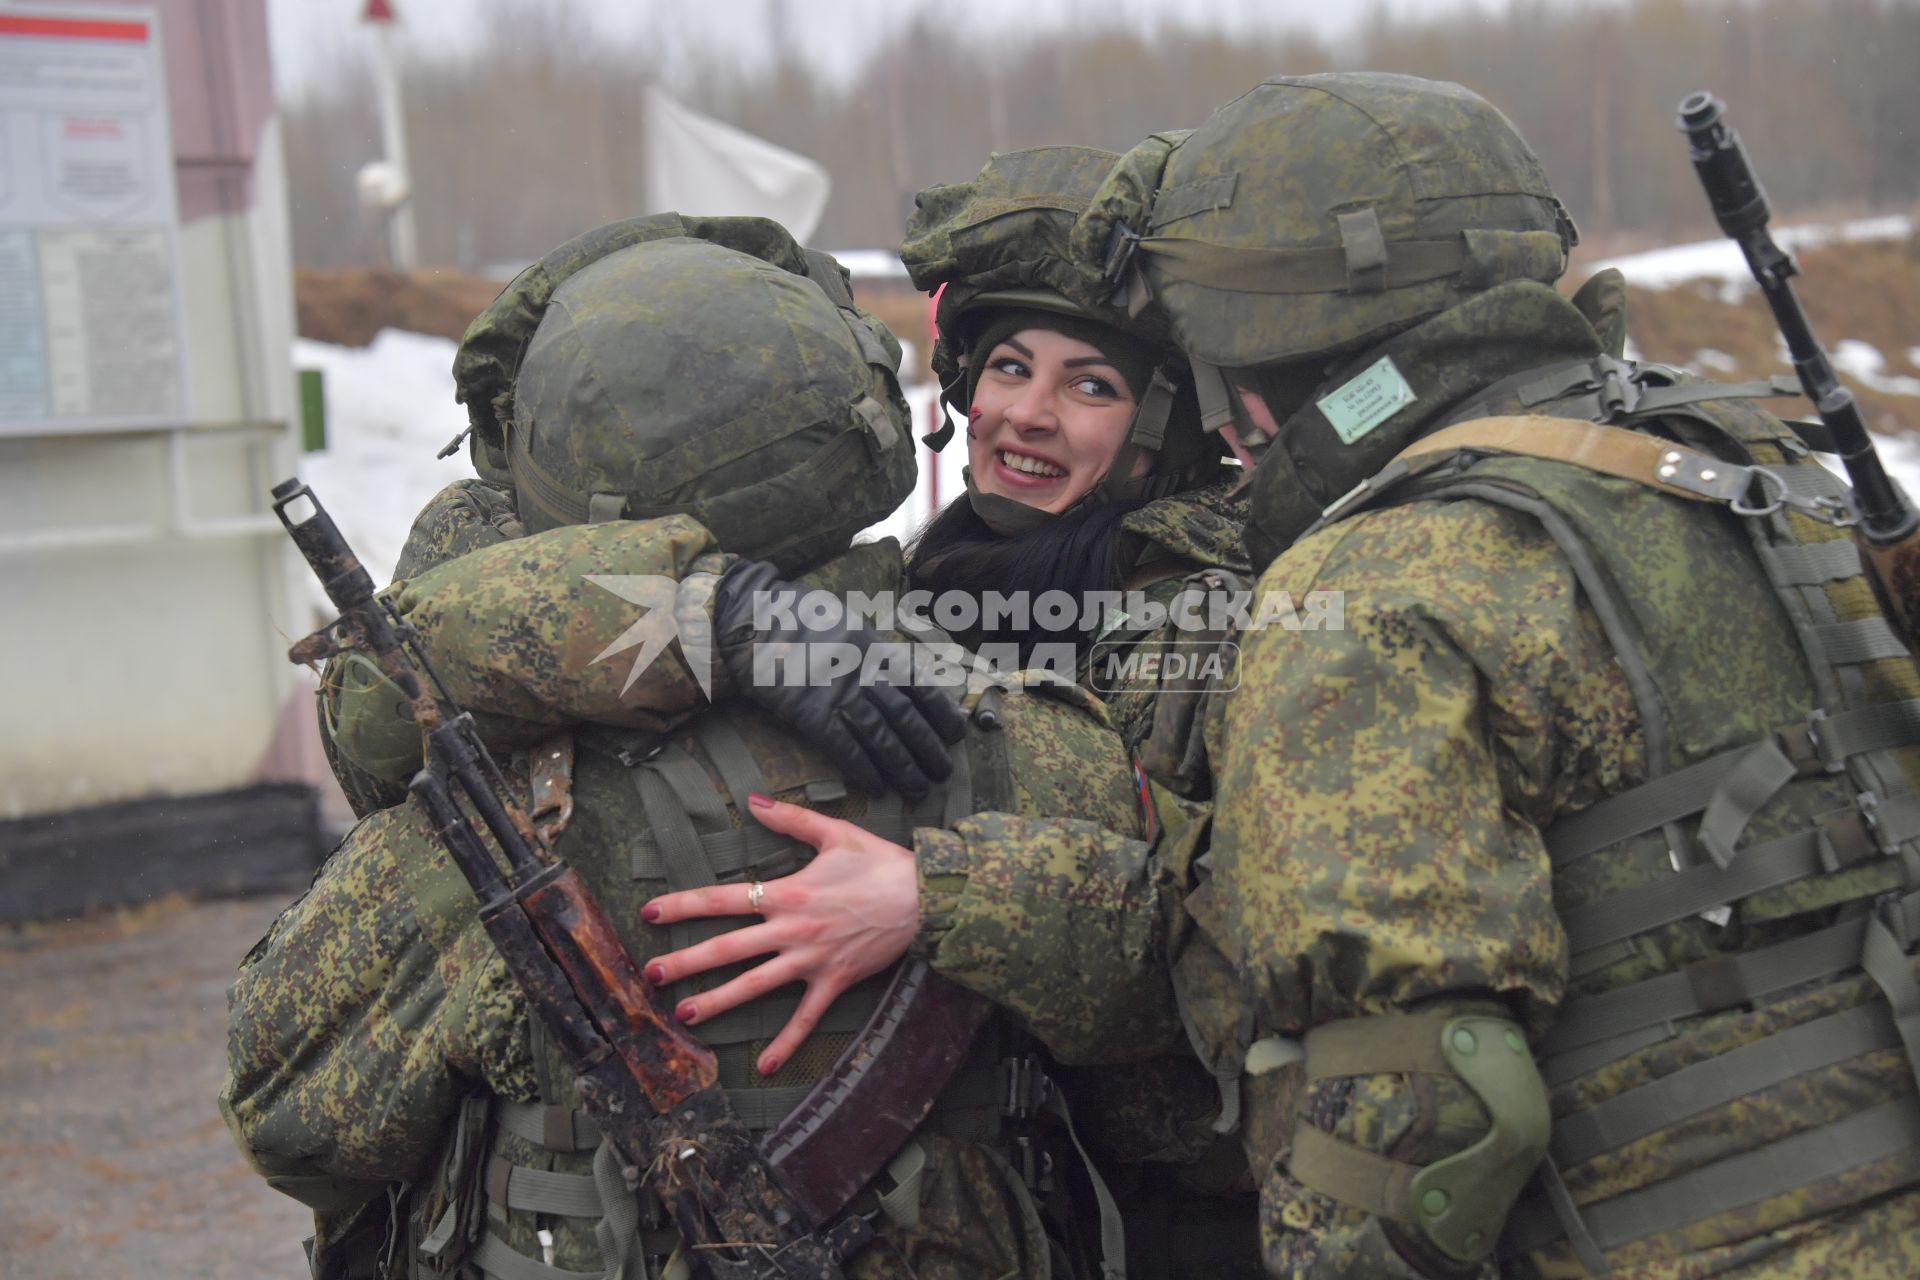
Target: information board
x,y
91,329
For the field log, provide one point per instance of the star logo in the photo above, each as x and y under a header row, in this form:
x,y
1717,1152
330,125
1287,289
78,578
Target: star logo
x,y
660,624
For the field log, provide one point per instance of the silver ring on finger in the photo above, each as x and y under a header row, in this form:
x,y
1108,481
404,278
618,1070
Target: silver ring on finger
x,y
756,894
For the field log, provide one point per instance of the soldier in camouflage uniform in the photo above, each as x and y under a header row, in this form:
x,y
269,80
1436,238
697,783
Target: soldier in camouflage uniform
x,y
381,1066
1590,835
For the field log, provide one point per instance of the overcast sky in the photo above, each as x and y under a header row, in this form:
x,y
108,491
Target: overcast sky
x,y
309,35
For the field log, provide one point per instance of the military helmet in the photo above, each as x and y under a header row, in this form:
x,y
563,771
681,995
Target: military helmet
x,y
1318,214
1000,243
677,375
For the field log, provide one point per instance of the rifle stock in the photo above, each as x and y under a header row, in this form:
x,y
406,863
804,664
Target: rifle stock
x,y
1888,528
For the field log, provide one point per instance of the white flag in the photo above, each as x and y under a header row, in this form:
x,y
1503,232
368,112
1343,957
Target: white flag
x,y
697,165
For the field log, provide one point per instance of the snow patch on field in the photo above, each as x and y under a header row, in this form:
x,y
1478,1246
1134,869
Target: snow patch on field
x,y
1863,361
1721,260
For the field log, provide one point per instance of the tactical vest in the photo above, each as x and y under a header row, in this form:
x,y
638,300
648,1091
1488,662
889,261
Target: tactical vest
x,y
1781,783
527,1191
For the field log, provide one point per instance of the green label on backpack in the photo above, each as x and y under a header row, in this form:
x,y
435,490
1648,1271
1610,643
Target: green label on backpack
x,y
1367,401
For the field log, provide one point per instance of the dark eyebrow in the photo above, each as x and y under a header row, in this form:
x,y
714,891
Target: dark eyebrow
x,y
1079,362
1010,342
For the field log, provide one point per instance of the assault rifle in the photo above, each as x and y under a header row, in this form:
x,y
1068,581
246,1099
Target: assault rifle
x,y
651,1087
1888,528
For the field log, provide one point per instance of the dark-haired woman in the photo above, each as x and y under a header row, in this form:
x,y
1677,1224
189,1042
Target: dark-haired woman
x,y
1088,474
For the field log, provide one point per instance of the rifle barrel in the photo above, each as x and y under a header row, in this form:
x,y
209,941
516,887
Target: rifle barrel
x,y
1740,206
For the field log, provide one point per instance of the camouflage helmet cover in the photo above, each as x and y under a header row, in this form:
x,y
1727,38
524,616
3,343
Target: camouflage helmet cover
x,y
1317,214
681,376
1001,239
1001,242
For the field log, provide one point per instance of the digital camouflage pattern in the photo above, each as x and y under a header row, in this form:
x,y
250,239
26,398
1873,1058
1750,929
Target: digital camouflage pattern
x,y
376,1001
1006,228
1183,533
1381,791
689,378
464,515
487,365
1240,241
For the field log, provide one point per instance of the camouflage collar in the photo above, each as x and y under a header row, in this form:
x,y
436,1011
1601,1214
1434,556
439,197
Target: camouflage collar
x,y
1202,526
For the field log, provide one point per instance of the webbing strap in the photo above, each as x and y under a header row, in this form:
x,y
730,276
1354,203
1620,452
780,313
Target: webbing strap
x,y
1700,888
512,1186
681,855
1215,397
1699,1088
1814,563
1376,1045
1878,1133
907,1169
727,852
1567,1214
1832,738
1884,957
735,763
1113,1231
498,1260
1757,779
1665,799
1879,727
1868,639
1372,1183
1237,269
1657,400
618,1232
1718,983
1810,480
1670,468
542,1125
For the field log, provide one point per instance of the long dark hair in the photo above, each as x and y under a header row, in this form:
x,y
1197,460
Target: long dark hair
x,y
1084,550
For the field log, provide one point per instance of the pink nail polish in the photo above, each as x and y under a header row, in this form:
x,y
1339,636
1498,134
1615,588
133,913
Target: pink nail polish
x,y
687,1012
656,974
769,1065
651,913
759,801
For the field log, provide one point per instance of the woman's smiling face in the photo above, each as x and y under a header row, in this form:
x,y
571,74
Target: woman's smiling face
x,y
1049,414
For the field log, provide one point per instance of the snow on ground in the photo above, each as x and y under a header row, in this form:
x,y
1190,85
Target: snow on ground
x,y
1722,260
1863,362
390,409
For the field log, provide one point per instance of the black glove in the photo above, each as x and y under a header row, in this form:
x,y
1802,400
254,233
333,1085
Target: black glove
x,y
882,737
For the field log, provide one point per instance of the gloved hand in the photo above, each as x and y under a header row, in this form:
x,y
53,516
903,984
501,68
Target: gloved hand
x,y
882,737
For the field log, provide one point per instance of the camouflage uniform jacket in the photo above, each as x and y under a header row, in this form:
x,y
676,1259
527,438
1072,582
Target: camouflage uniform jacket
x,y
375,1003
519,641
1185,536
1382,791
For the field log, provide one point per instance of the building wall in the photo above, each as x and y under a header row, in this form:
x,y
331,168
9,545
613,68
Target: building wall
x,y
146,595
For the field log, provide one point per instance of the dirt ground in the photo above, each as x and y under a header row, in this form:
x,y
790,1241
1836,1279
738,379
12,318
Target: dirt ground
x,y
113,1158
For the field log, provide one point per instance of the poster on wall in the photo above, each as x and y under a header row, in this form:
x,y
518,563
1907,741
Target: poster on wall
x,y
91,324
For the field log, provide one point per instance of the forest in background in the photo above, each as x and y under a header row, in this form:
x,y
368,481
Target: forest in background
x,y
536,138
